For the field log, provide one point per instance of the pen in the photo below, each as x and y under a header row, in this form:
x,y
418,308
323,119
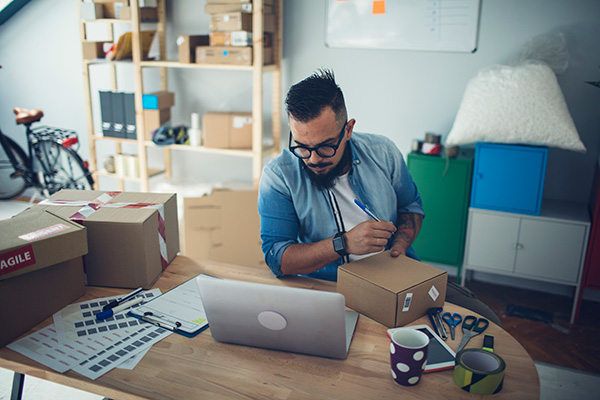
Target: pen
x,y
112,311
118,301
366,210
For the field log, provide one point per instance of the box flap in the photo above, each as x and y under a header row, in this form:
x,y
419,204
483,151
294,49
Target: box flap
x,y
38,239
394,274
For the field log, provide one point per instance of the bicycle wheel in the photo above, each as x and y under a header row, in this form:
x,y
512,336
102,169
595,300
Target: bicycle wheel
x,y
62,167
11,184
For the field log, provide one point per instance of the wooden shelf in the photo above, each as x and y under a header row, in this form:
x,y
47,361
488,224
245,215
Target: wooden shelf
x,y
177,64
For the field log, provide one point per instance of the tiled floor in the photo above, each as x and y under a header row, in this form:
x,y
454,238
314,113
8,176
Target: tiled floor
x,y
556,382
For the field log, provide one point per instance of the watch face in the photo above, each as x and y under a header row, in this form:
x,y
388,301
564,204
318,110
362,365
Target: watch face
x,y
338,244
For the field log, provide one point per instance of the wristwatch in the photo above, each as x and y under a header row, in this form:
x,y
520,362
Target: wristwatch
x,y
339,245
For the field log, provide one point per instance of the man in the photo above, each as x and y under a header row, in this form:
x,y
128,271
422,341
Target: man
x,y
310,224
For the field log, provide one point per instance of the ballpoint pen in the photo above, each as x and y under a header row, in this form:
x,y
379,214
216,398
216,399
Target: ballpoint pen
x,y
366,210
117,309
120,300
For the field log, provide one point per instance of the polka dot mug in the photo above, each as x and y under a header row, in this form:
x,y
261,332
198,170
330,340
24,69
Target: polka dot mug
x,y
408,355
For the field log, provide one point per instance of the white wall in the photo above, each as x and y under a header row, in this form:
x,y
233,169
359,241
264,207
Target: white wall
x,y
401,94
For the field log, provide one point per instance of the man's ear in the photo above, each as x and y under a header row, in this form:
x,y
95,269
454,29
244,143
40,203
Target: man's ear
x,y
350,128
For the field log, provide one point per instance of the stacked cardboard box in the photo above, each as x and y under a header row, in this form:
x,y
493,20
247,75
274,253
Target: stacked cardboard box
x,y
157,110
131,237
227,130
230,37
41,269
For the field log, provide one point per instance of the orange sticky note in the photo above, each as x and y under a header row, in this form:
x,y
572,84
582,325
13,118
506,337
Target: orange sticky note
x,y
379,7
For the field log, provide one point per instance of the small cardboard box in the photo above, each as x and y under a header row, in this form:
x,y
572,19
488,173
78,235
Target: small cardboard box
x,y
154,119
146,14
158,100
231,55
92,50
224,226
41,269
392,291
187,46
132,237
239,21
227,130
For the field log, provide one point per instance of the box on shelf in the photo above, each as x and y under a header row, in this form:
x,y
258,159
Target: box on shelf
x,y
239,21
227,130
230,55
146,14
158,100
237,38
509,178
212,228
41,269
154,119
91,11
132,237
98,31
187,46
392,290
92,50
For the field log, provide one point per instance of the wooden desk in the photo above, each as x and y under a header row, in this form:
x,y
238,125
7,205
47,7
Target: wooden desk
x,y
182,368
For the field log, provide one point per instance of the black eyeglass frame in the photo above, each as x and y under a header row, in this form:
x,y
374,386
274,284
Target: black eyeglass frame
x,y
311,149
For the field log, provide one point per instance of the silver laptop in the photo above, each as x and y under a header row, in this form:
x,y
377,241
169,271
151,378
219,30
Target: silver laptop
x,y
277,317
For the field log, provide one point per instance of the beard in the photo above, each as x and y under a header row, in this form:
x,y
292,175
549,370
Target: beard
x,y
327,180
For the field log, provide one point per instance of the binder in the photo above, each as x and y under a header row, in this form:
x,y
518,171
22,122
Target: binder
x,y
106,113
118,114
129,109
179,310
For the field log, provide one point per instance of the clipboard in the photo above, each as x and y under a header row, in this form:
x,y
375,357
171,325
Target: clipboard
x,y
179,310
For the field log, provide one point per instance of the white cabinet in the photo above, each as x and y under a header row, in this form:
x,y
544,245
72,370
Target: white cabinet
x,y
549,247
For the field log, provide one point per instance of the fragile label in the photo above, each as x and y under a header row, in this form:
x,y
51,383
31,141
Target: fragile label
x,y
16,259
44,232
433,292
407,301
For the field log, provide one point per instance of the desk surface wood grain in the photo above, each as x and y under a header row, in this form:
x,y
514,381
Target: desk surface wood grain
x,y
182,368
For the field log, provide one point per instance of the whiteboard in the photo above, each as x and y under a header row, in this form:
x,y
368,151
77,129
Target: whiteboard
x,y
430,25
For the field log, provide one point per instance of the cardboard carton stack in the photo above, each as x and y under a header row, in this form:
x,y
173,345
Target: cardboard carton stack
x,y
157,110
230,37
41,269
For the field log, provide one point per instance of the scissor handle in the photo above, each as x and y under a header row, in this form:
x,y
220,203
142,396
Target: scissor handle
x,y
478,325
452,319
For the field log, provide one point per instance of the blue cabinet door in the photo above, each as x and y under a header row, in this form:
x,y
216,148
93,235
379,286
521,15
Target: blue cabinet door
x,y
509,178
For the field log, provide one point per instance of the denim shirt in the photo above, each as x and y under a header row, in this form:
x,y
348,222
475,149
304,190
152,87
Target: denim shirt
x,y
292,210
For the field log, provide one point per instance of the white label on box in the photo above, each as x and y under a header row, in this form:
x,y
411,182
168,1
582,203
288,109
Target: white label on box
x,y
433,292
407,301
239,122
180,40
42,233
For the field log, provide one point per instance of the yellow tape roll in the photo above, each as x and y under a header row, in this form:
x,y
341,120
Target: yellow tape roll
x,y
479,371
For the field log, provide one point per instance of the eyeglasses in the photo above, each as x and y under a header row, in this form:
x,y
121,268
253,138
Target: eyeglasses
x,y
325,150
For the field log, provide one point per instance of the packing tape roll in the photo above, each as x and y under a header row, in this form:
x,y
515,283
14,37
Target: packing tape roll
x,y
479,371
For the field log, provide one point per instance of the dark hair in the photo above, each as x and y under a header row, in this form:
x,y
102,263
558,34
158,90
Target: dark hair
x,y
306,99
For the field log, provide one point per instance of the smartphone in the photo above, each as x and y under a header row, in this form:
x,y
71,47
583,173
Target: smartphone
x,y
439,356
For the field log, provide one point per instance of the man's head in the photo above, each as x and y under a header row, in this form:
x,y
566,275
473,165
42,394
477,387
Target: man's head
x,y
319,129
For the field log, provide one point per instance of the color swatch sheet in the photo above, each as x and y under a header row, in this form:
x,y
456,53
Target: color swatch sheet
x,y
95,350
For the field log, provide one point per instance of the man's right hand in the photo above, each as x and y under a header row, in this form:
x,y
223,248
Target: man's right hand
x,y
368,237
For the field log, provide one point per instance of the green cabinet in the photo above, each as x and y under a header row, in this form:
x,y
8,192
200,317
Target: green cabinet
x,y
444,184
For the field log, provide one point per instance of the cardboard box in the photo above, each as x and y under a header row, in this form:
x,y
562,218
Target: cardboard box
x,y
91,11
239,21
230,55
154,119
146,14
187,46
92,50
237,38
224,226
158,100
41,269
392,291
227,130
125,241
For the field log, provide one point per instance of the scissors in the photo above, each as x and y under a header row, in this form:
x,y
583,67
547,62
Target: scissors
x,y
452,320
477,325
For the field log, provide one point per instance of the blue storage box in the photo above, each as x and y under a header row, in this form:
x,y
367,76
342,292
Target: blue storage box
x,y
158,100
509,178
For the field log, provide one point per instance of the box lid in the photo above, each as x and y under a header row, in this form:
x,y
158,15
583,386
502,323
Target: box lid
x,y
394,274
36,240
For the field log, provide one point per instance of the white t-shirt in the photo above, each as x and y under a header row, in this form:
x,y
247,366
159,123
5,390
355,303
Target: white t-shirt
x,y
351,214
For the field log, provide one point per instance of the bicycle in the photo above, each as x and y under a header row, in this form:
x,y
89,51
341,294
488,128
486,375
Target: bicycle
x,y
50,164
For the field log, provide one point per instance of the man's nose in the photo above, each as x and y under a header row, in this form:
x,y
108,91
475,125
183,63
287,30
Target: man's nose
x,y
315,158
